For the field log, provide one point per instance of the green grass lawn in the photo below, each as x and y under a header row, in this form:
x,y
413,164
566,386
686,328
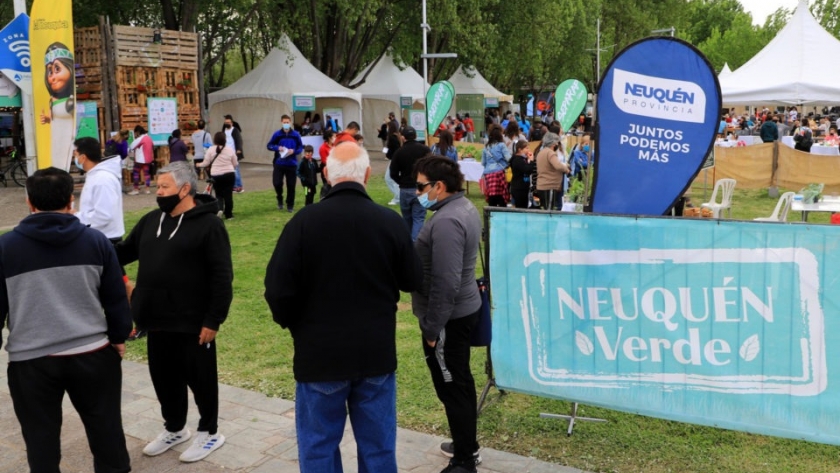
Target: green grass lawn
x,y
254,353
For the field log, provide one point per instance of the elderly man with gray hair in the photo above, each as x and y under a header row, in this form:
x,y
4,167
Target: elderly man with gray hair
x,y
551,172
334,281
183,294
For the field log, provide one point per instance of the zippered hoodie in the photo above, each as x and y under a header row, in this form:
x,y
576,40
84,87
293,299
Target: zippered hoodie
x,y
447,246
61,287
185,277
102,199
290,140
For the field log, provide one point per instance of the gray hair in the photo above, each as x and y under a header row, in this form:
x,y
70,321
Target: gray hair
x,y
183,173
352,169
550,139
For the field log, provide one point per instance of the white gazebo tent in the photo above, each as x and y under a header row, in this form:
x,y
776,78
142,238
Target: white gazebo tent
x,y
468,81
262,96
725,71
792,69
381,92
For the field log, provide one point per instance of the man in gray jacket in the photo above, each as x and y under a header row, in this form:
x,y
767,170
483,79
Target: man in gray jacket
x,y
448,303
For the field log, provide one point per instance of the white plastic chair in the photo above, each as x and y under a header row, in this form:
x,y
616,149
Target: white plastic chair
x,y
781,210
727,188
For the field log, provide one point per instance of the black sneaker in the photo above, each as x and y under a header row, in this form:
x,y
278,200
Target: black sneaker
x,y
448,450
453,468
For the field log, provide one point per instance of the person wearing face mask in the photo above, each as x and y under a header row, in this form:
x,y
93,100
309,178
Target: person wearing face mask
x,y
183,294
233,135
101,206
287,145
448,303
579,161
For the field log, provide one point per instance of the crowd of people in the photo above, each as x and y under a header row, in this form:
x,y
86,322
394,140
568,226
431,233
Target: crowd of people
x,y
772,126
183,289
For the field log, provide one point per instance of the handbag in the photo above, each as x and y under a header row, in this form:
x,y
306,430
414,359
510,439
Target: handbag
x,y
482,333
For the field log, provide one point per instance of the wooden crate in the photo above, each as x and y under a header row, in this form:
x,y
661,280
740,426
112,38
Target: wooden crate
x,y
142,69
135,47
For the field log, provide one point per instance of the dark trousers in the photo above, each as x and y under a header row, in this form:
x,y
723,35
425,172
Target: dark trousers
x,y
286,173
449,364
496,201
94,383
551,199
520,195
177,361
310,194
224,192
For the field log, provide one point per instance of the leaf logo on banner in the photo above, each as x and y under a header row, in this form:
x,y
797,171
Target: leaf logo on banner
x,y
571,98
658,113
583,343
438,102
749,350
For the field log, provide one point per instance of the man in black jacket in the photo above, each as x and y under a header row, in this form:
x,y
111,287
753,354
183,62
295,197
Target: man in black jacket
x,y
234,140
338,297
402,167
183,294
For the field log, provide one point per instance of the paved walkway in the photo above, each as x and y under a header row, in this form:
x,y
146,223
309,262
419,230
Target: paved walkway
x,y
260,435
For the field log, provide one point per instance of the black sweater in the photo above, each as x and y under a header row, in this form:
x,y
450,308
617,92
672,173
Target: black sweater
x,y
334,281
185,277
402,164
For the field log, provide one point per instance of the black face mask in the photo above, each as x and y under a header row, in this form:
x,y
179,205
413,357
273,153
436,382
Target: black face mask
x,y
168,203
227,127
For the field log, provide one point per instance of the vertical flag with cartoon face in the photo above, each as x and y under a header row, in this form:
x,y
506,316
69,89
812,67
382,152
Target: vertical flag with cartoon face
x,y
15,60
51,46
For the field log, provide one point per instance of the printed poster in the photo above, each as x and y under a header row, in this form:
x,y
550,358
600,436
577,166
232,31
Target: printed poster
x,y
51,44
163,119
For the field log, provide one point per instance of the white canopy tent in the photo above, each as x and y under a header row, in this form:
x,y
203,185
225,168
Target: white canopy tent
x,y
470,81
381,92
797,67
725,71
262,96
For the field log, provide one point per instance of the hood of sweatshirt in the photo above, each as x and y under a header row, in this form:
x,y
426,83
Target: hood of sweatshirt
x,y
111,165
52,228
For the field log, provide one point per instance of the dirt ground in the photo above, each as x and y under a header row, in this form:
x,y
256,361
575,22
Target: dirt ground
x,y
256,177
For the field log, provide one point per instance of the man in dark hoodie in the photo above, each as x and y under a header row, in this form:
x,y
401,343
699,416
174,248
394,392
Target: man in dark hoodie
x,y
62,290
183,293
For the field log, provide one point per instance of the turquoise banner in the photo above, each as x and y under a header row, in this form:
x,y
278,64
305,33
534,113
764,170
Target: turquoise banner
x,y
571,98
719,323
439,100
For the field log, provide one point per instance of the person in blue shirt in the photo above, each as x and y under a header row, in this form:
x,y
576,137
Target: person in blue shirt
x,y
287,145
722,126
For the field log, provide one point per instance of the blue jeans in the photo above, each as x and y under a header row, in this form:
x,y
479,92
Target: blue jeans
x,y
320,412
413,213
238,181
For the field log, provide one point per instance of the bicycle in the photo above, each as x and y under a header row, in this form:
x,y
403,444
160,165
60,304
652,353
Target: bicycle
x,y
16,168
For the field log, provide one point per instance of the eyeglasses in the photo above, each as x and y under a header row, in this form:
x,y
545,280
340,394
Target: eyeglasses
x,y
423,185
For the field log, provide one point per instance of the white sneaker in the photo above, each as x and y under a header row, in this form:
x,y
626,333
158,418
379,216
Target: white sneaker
x,y
134,192
203,445
394,202
165,441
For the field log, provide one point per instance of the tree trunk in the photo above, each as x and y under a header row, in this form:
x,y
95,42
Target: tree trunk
x,y
170,20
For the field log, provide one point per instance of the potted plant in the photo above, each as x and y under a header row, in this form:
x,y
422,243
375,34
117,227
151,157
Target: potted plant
x,y
183,84
82,94
147,87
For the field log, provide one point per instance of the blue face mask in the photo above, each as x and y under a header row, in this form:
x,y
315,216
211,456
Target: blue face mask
x,y
585,148
424,200
76,162
286,126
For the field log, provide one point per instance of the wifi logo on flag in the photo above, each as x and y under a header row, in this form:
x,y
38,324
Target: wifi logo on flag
x,y
21,50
